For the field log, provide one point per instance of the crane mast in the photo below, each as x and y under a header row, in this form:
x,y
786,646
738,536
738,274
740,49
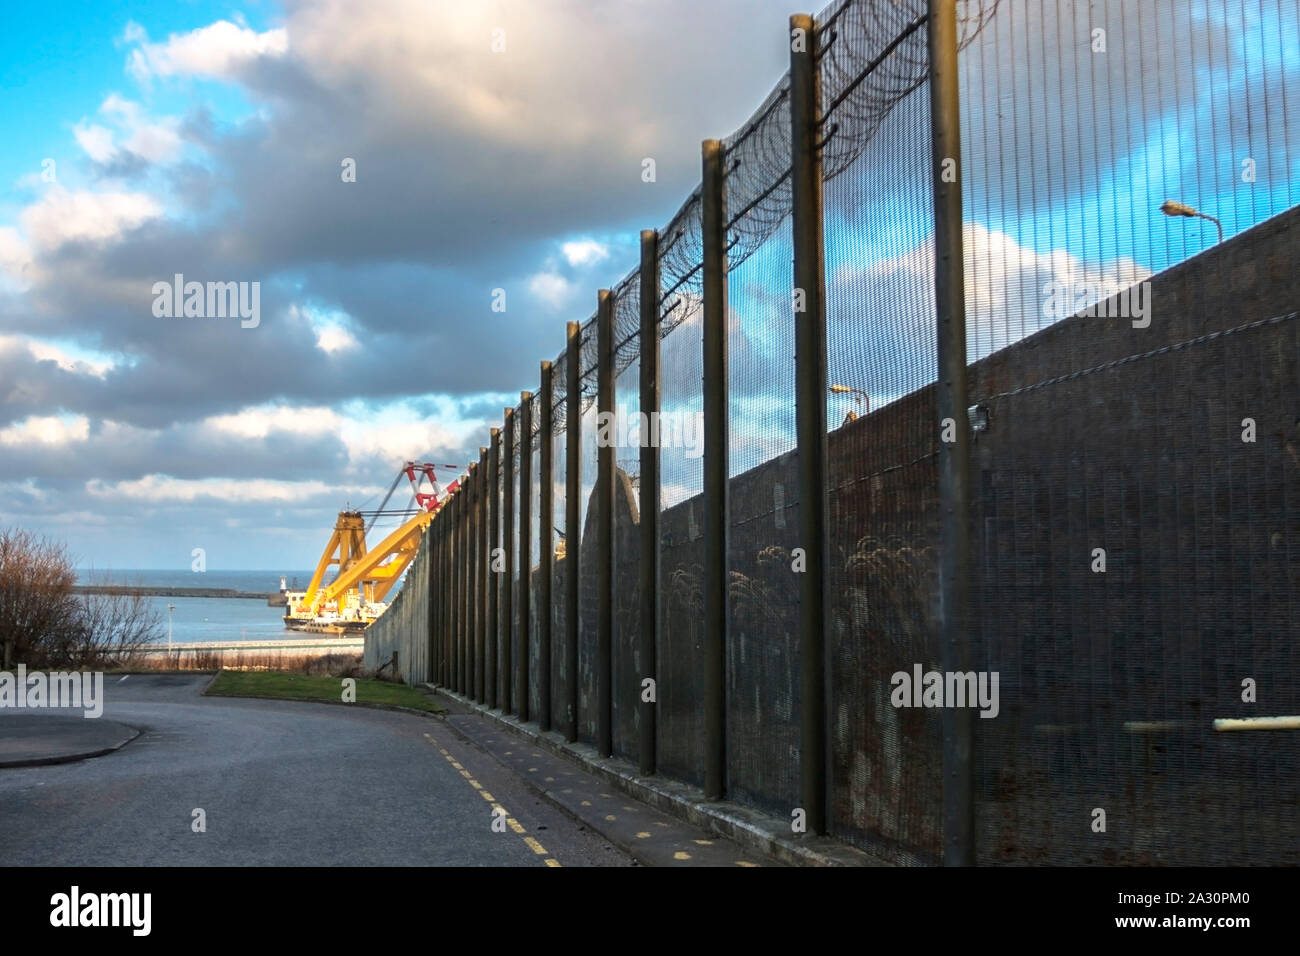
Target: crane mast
x,y
354,598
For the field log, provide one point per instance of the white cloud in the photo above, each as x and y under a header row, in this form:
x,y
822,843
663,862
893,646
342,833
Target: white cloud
x,y
155,140
1004,289
261,421
15,255
394,432
61,216
552,289
47,430
159,489
219,50
335,338
27,488
330,326
85,364
95,141
584,252
79,519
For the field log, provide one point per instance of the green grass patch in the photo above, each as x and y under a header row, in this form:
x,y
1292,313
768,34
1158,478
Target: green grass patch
x,y
286,686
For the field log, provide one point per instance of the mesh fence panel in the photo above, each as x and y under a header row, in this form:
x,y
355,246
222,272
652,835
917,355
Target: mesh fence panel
x,y
560,679
883,501
763,660
625,661
496,501
681,676
587,535
534,465
1135,554
1116,437
513,626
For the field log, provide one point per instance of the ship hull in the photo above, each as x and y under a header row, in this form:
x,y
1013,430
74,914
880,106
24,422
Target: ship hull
x,y
337,628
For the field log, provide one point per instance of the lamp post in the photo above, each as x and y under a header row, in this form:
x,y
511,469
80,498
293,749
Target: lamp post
x,y
1171,207
860,398
170,609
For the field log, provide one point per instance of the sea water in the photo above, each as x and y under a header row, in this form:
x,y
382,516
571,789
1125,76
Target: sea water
x,y
205,618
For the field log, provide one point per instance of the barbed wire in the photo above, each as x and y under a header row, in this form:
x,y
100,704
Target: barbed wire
x,y
873,53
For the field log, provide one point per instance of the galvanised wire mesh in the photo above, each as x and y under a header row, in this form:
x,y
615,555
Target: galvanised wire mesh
x,y
512,680
534,464
560,679
763,646
1134,570
881,358
1102,435
587,591
679,655
474,608
495,578
883,500
625,659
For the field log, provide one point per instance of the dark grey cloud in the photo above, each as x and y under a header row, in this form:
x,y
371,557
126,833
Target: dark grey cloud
x,y
472,169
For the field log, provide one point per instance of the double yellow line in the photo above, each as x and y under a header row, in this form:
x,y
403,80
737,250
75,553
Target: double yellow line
x,y
511,822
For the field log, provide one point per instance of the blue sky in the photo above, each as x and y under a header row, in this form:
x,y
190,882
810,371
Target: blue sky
x,y
208,139
58,62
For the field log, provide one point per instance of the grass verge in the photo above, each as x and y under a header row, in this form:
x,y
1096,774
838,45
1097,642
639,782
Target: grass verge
x,y
285,686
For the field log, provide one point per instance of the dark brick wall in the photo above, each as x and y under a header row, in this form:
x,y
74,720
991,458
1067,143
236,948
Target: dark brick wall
x,y
1109,681
1202,538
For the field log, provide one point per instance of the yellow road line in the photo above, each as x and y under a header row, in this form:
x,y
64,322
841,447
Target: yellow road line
x,y
511,822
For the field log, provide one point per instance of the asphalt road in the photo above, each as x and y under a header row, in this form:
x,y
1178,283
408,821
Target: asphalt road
x,y
280,783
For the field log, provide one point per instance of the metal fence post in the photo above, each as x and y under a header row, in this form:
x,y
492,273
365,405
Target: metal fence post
x,y
481,580
525,546
466,562
545,542
810,411
430,574
954,456
649,567
572,516
457,555
508,543
471,578
716,444
444,584
604,521
493,577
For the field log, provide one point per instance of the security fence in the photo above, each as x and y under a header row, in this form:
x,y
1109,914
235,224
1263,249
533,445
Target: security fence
x,y
931,484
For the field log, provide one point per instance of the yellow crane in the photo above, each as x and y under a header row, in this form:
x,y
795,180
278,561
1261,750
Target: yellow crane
x,y
355,597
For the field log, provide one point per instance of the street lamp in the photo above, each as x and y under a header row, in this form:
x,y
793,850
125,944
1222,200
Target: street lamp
x,y
860,398
1172,208
170,608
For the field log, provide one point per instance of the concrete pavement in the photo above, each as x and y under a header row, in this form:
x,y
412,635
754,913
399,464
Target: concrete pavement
x,y
649,835
232,782
37,737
